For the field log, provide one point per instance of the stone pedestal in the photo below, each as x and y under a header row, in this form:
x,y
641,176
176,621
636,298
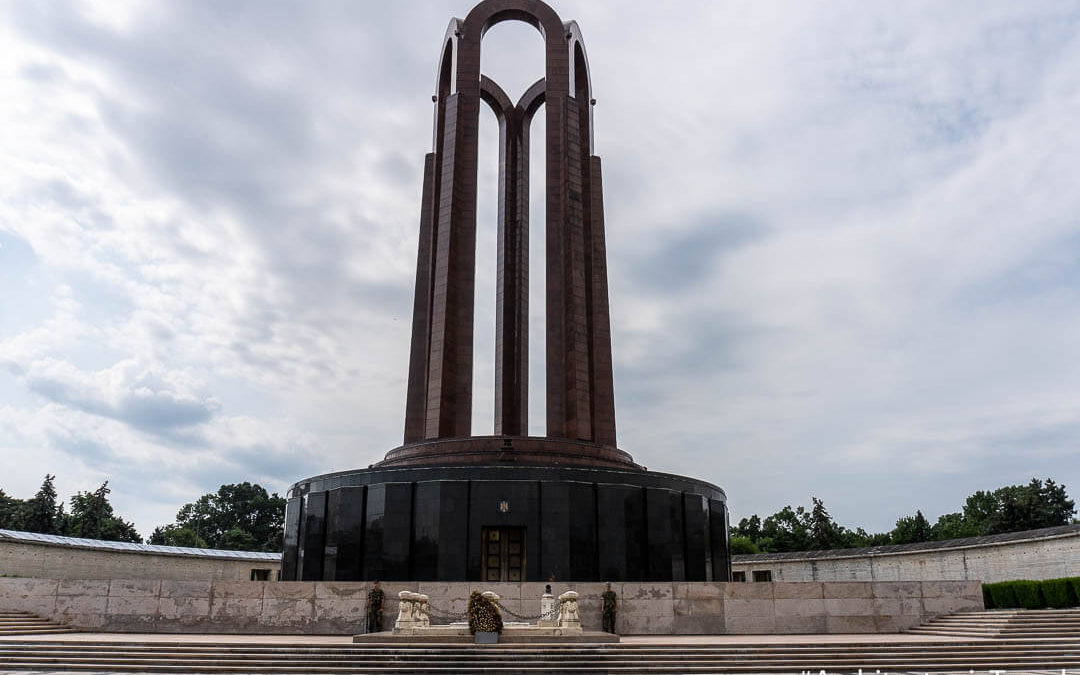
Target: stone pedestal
x,y
569,618
412,611
548,613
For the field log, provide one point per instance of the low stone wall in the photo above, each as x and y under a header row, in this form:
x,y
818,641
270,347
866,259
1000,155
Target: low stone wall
x,y
1039,554
308,607
51,561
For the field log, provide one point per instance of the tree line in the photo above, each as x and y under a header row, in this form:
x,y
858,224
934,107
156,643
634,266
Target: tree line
x,y
239,517
89,514
1012,508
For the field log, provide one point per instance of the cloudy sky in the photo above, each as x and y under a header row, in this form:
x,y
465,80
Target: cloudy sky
x,y
844,242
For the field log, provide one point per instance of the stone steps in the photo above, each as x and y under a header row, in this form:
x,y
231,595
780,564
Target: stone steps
x,y
25,623
1033,623
262,658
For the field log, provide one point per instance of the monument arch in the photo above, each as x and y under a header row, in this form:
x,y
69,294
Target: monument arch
x,y
449,505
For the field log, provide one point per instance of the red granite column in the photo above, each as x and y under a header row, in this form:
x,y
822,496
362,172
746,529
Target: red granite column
x,y
416,398
512,284
512,391
603,388
512,366
449,390
575,358
563,409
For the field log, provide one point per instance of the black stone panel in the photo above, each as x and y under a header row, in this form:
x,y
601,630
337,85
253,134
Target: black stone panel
x,y
374,510
426,528
523,502
707,529
291,544
397,532
664,530
453,530
718,539
583,561
636,534
312,537
695,535
440,527
344,534
621,532
555,514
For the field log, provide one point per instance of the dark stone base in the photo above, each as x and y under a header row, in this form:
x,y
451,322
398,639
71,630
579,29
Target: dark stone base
x,y
502,450
579,524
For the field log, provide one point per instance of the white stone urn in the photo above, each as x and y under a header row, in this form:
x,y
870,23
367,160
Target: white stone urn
x,y
568,610
408,610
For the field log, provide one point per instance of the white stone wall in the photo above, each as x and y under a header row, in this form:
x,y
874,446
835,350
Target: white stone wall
x,y
1032,559
21,559
659,608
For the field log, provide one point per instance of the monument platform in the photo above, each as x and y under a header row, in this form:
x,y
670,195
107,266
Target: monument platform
x,y
458,633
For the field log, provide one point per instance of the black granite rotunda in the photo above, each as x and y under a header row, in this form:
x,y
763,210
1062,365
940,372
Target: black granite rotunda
x,y
450,506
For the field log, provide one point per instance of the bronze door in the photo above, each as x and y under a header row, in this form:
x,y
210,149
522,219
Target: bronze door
x,y
504,553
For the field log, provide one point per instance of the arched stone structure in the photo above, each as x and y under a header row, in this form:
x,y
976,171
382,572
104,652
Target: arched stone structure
x,y
580,395
450,506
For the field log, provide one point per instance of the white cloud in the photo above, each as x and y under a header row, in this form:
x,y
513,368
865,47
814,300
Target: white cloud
x,y
842,240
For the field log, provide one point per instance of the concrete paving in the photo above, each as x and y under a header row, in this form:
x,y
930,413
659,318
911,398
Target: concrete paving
x,y
836,654
647,640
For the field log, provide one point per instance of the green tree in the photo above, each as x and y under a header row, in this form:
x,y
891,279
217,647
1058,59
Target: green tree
x,y
860,538
237,539
12,512
748,527
822,532
741,545
1007,509
42,514
92,517
980,510
784,531
242,516
953,526
175,535
1031,506
1011,508
911,529
796,529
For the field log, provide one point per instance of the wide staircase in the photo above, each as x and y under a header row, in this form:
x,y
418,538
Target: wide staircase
x,y
932,655
1014,623
25,623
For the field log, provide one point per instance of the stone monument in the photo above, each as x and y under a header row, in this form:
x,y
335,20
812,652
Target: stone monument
x,y
570,505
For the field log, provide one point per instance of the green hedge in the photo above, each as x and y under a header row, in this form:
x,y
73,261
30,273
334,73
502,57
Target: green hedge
x,y
1058,593
1024,594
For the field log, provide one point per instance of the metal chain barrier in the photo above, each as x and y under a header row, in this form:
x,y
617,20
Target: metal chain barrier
x,y
547,616
450,617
